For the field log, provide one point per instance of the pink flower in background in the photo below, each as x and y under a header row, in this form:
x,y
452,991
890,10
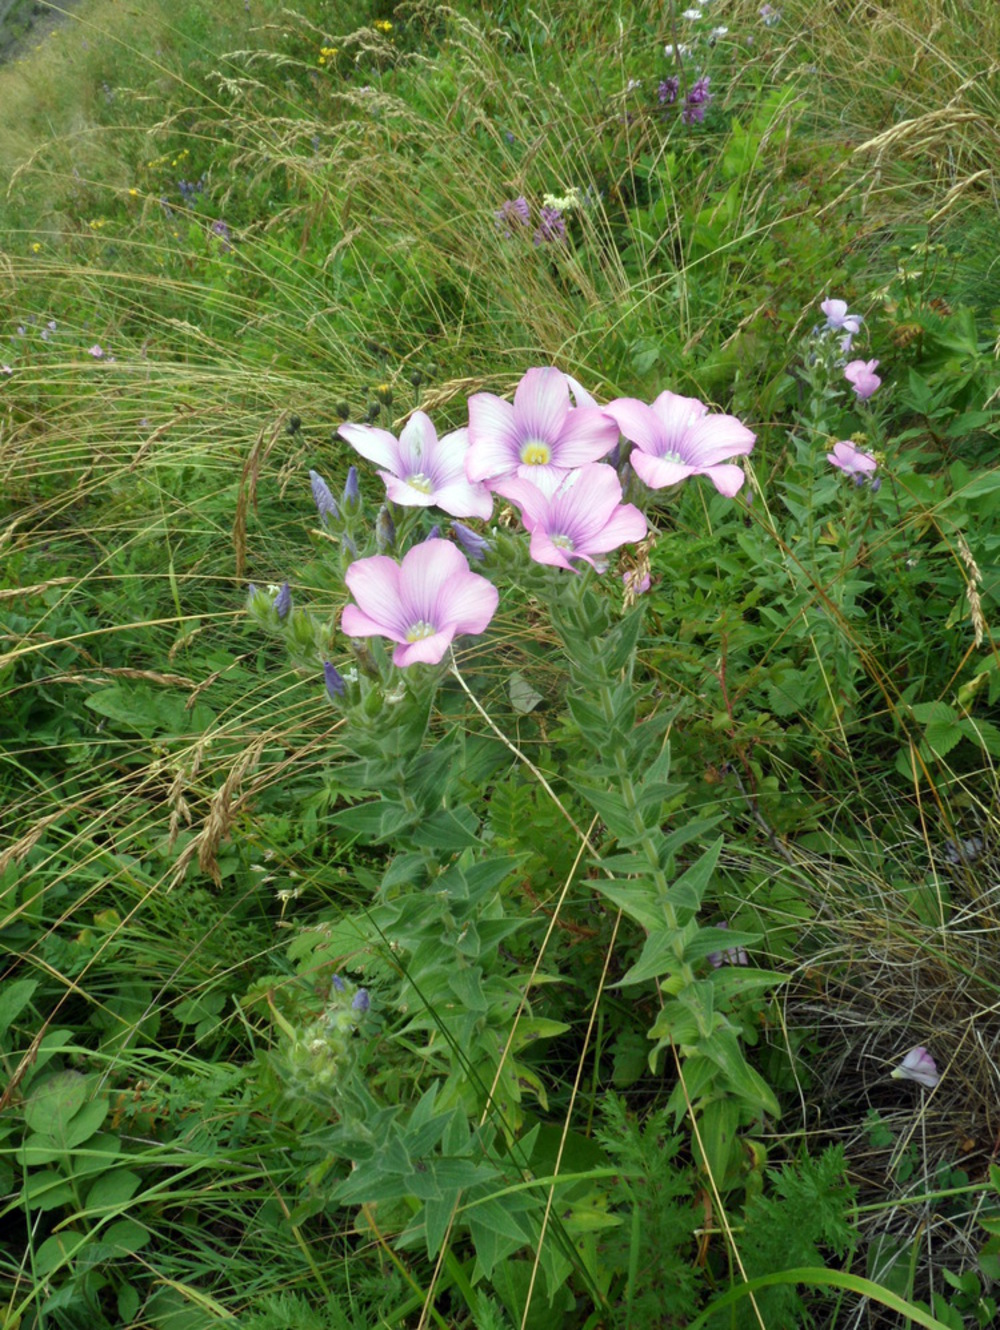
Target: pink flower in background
x,y
421,470
421,604
97,351
838,319
919,1066
676,437
540,434
582,516
860,374
731,955
851,459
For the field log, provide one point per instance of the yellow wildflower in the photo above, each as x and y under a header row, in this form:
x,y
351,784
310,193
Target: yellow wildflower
x,y
36,248
383,25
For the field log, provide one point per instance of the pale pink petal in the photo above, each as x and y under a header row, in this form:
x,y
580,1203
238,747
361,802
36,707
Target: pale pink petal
x,y
405,494
638,422
587,435
714,438
580,395
378,445
530,499
493,438
375,585
471,603
355,623
542,550
425,650
625,524
584,502
461,498
677,414
728,480
656,473
541,404
417,445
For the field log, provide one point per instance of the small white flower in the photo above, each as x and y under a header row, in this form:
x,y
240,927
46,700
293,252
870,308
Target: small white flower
x,y
919,1066
691,14
719,32
680,51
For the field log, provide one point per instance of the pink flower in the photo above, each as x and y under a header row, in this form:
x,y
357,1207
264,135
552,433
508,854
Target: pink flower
x,y
731,956
539,435
851,459
838,319
676,438
919,1066
422,604
421,470
860,374
97,351
582,516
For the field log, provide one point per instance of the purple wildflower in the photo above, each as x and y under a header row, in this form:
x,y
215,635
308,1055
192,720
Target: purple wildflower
x,y
860,374
352,491
421,470
677,437
539,433
97,351
580,517
474,545
325,503
668,90
697,100
551,226
221,230
334,681
512,213
838,319
769,15
337,984
6,369
283,601
361,1001
852,460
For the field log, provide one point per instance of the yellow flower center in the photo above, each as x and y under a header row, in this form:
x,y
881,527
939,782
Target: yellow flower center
x,y
420,482
536,453
562,543
420,630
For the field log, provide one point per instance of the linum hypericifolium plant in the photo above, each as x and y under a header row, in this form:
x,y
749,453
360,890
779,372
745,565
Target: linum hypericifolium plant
x,y
426,750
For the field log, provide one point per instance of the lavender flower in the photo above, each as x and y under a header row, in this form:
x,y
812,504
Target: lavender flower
x,y
97,351
697,100
475,546
512,213
325,503
551,226
838,319
337,984
668,90
860,374
853,461
221,230
334,680
352,491
769,15
361,1001
283,601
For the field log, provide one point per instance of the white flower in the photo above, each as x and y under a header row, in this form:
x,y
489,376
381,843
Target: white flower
x,y
692,14
919,1066
681,50
719,32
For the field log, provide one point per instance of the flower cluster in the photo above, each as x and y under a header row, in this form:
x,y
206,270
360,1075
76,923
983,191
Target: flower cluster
x,y
515,214
545,452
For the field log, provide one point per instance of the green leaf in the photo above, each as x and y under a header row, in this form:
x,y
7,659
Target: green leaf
x,y
523,698
447,830
14,997
52,1103
724,1050
113,1189
125,1237
687,892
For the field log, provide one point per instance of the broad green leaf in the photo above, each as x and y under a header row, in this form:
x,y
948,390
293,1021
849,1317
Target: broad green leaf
x,y
113,1189
447,830
125,1236
738,1076
51,1105
14,997
47,1191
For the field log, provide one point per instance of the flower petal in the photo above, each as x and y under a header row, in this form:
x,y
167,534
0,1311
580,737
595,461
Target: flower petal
x,y
541,404
378,445
493,438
